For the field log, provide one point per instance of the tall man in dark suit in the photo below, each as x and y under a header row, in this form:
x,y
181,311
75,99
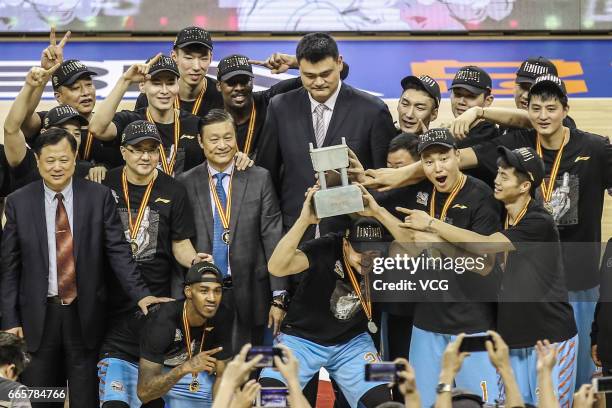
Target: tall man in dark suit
x,y
60,237
237,220
321,113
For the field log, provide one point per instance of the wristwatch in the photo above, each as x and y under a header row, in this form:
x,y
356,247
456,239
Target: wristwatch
x,y
281,301
443,388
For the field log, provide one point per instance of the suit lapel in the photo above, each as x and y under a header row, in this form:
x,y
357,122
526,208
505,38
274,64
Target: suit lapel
x,y
41,223
203,197
239,183
341,110
79,213
305,117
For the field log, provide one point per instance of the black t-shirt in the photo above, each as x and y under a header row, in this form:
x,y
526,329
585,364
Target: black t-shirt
x,y
482,132
189,152
584,175
212,100
602,324
5,174
476,209
533,299
261,100
27,171
161,338
325,309
567,122
104,153
168,217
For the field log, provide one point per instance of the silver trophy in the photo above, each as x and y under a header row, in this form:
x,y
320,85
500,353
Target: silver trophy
x,y
332,201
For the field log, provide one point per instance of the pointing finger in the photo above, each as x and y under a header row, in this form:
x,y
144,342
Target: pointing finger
x,y
404,210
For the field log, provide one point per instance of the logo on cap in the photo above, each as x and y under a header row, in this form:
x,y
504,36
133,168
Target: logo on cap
x,y
468,75
368,232
549,77
536,69
525,153
427,80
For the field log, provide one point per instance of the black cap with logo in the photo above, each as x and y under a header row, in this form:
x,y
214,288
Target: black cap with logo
x,y
163,64
61,114
436,137
525,160
193,35
548,80
367,233
138,131
426,83
69,72
198,273
232,66
534,67
472,78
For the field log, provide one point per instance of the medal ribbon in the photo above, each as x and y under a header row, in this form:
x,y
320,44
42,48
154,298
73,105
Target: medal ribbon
x,y
449,200
547,190
198,101
518,219
366,303
250,131
224,213
141,210
188,337
168,163
88,146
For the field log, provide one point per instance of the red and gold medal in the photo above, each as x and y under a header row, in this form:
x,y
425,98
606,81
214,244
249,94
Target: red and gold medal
x,y
134,226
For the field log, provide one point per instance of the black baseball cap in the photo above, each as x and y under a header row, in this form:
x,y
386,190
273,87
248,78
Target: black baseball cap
x,y
525,160
193,35
197,273
472,78
61,114
163,64
232,66
366,233
548,80
426,83
69,72
138,131
437,137
532,68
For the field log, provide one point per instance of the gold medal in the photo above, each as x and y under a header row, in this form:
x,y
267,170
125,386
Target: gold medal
x,y
168,162
225,237
194,386
547,190
364,299
548,207
135,226
372,327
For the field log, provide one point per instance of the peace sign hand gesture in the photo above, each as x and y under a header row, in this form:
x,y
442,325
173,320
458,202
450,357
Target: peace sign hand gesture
x,y
38,76
54,53
140,72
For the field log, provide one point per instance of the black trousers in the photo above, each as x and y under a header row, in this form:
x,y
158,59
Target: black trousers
x,y
62,359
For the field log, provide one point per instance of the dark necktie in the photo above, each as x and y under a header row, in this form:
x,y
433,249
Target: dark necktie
x,y
66,271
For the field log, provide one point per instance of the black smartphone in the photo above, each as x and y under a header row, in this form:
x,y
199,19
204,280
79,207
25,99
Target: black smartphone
x,y
272,397
474,343
268,353
383,372
602,384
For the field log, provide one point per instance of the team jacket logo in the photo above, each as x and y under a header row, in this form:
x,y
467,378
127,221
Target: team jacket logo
x,y
459,206
190,137
422,198
584,158
162,200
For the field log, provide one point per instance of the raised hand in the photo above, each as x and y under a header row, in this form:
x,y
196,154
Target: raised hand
x,y
54,53
277,63
204,361
140,72
38,76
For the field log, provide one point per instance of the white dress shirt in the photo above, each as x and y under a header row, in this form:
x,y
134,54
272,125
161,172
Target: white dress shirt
x,y
330,103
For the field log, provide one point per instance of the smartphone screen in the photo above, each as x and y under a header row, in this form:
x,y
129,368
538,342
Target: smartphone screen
x,y
383,372
602,384
268,353
273,397
474,343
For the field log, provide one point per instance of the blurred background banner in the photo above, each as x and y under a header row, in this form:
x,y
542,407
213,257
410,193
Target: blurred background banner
x,y
155,16
584,65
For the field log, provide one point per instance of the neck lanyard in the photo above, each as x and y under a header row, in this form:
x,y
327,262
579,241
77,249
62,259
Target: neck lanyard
x,y
135,226
432,204
518,219
195,384
168,163
224,213
366,301
547,190
250,131
198,101
88,146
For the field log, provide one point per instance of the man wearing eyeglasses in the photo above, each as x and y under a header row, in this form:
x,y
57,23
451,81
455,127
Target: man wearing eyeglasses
x,y
158,224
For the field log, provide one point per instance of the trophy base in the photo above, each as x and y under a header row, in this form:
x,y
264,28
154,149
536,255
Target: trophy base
x,y
338,201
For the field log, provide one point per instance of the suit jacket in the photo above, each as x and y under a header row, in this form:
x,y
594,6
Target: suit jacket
x,y
255,229
99,242
362,119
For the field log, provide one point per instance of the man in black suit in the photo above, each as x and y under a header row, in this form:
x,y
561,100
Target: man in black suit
x,y
321,113
60,237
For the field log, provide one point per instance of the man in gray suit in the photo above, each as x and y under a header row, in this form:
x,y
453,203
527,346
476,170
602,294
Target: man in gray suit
x,y
238,220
